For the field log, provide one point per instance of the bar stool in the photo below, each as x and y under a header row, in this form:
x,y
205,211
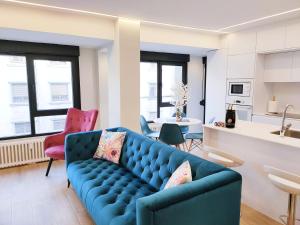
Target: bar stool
x,y
219,157
289,183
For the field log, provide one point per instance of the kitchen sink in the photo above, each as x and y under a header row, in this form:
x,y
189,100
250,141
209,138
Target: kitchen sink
x,y
288,133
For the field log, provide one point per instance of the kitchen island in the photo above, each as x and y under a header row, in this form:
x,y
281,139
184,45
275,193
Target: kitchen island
x,y
257,146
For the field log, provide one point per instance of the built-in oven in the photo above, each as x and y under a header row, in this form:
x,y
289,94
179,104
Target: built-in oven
x,y
239,91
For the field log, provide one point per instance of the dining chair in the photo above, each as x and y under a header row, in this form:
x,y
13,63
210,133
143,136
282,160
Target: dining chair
x,y
196,139
76,121
146,129
171,134
184,129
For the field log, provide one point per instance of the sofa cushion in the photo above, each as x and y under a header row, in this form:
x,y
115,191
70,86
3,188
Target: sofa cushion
x,y
108,190
110,146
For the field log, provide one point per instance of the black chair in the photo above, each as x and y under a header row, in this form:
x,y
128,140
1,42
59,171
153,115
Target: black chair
x,y
171,134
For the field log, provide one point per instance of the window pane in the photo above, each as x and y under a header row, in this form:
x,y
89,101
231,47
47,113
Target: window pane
x,y
171,76
167,112
48,124
148,90
53,81
14,113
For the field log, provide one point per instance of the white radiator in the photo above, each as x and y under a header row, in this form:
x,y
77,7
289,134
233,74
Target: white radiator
x,y
22,151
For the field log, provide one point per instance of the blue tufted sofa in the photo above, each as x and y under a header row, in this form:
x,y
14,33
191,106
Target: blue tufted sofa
x,y
131,193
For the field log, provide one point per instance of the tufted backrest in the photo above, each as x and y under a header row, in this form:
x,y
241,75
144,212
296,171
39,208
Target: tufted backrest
x,y
154,162
78,120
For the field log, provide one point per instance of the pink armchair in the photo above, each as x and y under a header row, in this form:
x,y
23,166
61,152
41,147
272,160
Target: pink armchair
x,y
76,121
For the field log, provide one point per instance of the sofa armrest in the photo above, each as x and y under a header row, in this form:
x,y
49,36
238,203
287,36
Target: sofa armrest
x,y
212,200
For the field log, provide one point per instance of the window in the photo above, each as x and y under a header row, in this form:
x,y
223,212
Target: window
x,y
19,93
58,124
59,92
22,128
38,83
159,73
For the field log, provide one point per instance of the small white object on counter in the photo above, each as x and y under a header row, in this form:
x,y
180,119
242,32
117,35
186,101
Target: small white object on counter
x,y
273,106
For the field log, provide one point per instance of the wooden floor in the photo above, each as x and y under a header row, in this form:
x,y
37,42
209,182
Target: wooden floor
x,y
27,197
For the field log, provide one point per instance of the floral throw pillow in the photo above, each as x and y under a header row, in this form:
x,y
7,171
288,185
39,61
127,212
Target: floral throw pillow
x,y
110,146
181,175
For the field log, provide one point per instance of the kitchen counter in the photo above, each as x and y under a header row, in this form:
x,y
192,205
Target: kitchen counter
x,y
258,131
256,146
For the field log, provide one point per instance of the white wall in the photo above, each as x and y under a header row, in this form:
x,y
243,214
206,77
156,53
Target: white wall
x,y
195,78
216,85
88,65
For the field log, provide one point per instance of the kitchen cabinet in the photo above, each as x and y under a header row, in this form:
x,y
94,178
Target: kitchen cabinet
x,y
292,35
271,39
278,67
295,76
241,43
241,66
275,120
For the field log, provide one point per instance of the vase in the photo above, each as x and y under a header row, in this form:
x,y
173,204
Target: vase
x,y
178,114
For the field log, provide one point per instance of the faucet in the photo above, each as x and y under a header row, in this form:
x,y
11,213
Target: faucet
x,y
284,127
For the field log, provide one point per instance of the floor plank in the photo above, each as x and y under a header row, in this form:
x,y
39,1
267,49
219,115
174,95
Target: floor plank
x,y
27,197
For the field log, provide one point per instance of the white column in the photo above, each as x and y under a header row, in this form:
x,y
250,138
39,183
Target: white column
x,y
119,73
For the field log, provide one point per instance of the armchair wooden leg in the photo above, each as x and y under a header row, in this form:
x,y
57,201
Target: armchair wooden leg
x,y
49,166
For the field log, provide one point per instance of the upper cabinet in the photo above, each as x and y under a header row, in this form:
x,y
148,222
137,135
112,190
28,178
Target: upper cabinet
x,y
295,75
241,43
271,39
241,66
293,35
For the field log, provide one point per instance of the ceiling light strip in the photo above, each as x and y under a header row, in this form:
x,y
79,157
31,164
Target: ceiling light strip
x,y
60,8
260,19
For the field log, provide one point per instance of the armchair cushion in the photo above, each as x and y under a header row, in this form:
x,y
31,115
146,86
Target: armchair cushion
x,y
56,152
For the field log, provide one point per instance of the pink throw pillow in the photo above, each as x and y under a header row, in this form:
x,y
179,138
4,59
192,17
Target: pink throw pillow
x,y
181,175
110,146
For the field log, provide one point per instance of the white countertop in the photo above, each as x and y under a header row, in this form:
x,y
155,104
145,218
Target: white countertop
x,y
257,130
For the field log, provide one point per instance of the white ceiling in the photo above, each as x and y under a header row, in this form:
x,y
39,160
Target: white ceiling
x,y
203,14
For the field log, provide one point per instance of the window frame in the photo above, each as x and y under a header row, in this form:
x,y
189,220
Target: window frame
x,y
40,51
162,59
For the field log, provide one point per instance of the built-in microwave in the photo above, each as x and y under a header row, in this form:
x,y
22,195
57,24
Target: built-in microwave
x,y
239,87
239,91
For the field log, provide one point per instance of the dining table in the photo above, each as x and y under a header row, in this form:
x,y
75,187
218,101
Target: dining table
x,y
186,121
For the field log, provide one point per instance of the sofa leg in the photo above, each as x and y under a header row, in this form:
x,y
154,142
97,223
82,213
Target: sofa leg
x,y
49,166
69,183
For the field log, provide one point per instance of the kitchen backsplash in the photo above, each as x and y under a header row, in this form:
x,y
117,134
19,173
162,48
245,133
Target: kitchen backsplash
x,y
287,93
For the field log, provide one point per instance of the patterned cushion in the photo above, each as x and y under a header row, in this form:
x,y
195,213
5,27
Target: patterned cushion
x,y
110,146
181,175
